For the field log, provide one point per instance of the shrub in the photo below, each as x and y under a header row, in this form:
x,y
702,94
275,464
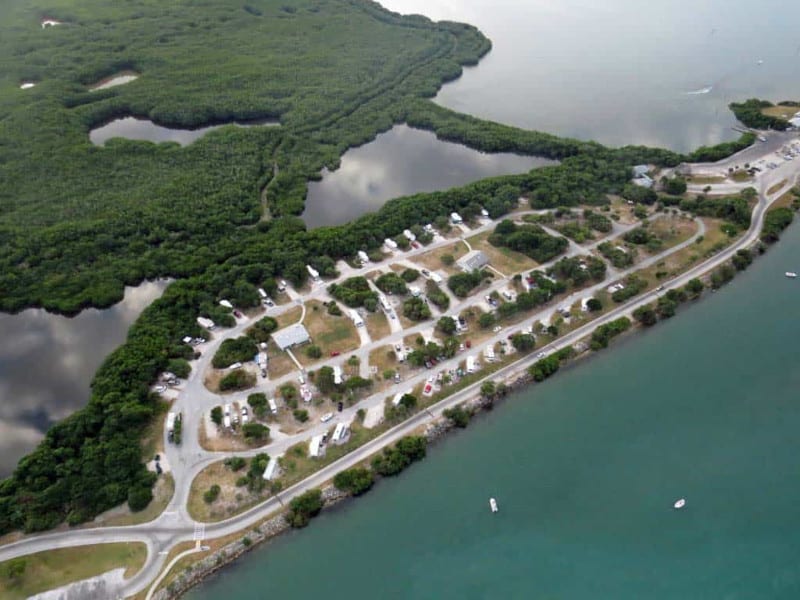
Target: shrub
x,y
235,463
300,414
139,497
258,402
180,367
255,432
416,309
216,415
238,379
355,481
458,416
234,350
211,494
314,351
304,508
262,329
410,275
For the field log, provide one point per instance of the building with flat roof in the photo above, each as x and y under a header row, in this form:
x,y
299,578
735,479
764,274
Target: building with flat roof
x,y
294,335
473,261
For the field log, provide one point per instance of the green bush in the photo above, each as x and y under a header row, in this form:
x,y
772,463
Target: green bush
x,y
304,508
238,379
211,494
233,350
355,481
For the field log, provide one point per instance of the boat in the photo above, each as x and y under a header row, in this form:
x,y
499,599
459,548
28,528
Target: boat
x,y
493,505
791,274
680,503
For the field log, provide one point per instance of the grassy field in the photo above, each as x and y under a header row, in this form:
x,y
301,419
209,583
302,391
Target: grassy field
x,y
783,112
433,260
54,568
504,260
330,333
378,325
290,317
672,230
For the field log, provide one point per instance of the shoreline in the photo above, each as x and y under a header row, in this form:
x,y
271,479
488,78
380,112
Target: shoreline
x,y
434,432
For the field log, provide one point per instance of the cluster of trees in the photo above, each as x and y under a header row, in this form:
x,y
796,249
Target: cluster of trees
x,y
234,350
416,309
603,334
462,284
355,481
303,508
394,459
261,329
431,350
435,294
547,366
618,256
721,150
238,379
391,283
667,304
597,221
750,114
674,186
531,240
734,209
354,292
576,271
639,194
775,221
458,415
634,285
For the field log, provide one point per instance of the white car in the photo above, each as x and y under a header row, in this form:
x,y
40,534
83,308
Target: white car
x,y
160,389
326,417
496,328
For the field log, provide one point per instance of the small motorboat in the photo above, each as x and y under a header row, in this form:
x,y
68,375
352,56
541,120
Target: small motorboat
x,y
791,274
493,505
679,503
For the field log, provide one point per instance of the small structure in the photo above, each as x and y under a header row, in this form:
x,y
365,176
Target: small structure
x,y
272,470
362,256
455,218
315,447
489,354
473,261
207,323
390,243
187,339
415,291
225,303
337,375
357,320
262,293
26,85
436,278
641,177
273,407
397,397
312,272
385,305
341,433
291,336
615,288
472,364
639,170
50,23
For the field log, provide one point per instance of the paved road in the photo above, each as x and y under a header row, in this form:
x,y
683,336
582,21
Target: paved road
x,y
175,525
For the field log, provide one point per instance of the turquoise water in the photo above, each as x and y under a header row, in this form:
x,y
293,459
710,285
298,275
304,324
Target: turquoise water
x,y
585,468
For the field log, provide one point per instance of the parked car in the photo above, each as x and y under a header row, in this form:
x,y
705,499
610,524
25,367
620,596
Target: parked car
x,y
237,314
340,406
335,353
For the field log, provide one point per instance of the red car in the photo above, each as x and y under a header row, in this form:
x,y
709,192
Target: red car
x,y
468,344
335,353
415,244
237,314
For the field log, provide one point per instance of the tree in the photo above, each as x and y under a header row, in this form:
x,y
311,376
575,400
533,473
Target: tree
x,y
458,416
216,415
325,380
211,494
645,315
447,260
234,350
235,463
594,304
300,414
258,402
313,351
410,275
255,432
304,508
262,329
523,342
238,379
408,401
355,481
139,497
416,309
488,389
486,320
447,325
180,367
695,287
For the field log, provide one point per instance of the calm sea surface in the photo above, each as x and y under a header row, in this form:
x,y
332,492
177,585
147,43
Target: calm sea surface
x,y
586,466
47,363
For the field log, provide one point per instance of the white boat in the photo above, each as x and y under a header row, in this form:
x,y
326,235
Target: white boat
x,y
791,274
493,505
680,503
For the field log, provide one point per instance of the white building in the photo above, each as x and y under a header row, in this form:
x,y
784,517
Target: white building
x,y
262,359
415,291
272,470
315,447
362,256
455,218
337,375
225,303
473,261
262,293
472,364
489,354
410,236
390,243
273,407
357,320
294,335
312,272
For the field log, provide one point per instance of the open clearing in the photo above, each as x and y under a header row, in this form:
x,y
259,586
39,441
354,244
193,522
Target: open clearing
x,y
433,260
54,568
504,260
782,112
330,333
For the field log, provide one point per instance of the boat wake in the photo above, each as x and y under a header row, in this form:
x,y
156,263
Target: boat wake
x,y
704,90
